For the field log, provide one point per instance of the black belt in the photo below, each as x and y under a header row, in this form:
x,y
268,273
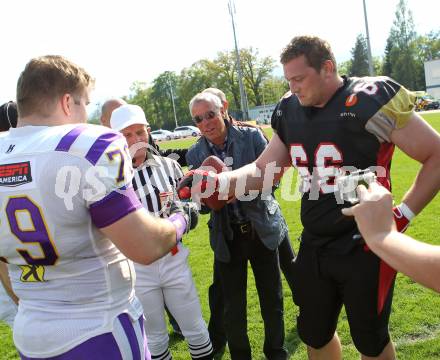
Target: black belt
x,y
242,228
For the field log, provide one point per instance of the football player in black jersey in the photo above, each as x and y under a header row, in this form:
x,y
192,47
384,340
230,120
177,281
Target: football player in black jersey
x,y
326,124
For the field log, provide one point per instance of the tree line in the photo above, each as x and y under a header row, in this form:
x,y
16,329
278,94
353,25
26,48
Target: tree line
x,y
262,87
404,56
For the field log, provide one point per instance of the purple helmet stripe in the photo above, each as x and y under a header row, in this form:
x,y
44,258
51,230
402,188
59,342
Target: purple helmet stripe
x,y
99,146
68,139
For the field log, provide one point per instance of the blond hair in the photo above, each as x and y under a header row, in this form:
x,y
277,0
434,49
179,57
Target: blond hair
x,y
45,80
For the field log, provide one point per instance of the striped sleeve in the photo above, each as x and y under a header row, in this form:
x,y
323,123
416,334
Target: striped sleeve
x,y
396,105
156,183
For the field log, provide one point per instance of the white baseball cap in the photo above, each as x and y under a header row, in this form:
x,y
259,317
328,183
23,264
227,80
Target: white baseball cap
x,y
127,115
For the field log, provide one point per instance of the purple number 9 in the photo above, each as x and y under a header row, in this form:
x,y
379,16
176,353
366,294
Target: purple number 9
x,y
38,235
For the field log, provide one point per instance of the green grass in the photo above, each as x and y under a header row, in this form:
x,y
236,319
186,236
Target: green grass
x,y
178,143
415,320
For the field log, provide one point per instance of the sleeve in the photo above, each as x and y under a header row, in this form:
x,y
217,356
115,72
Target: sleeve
x,y
259,141
275,118
191,157
394,104
278,121
401,101
177,170
107,187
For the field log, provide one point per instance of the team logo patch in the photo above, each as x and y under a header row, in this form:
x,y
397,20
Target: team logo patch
x,y
15,174
351,100
32,273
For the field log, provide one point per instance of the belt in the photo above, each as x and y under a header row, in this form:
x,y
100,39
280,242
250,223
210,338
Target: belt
x,y
243,228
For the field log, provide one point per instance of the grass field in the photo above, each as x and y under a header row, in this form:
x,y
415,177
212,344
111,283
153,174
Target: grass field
x,y
415,320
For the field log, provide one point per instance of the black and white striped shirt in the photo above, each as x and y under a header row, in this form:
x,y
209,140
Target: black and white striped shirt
x,y
155,183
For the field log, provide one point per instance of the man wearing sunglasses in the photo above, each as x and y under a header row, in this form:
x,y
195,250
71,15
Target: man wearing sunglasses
x,y
285,252
242,231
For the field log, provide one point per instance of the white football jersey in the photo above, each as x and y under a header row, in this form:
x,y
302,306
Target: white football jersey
x,y
58,185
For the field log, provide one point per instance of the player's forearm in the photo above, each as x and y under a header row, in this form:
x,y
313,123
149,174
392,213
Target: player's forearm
x,y
241,180
425,186
418,260
245,179
142,237
160,241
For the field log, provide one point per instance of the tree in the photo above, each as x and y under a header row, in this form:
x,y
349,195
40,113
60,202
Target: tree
x,y
387,67
255,72
377,65
160,98
194,79
225,66
273,89
261,86
139,89
344,67
428,46
141,95
403,52
359,60
94,117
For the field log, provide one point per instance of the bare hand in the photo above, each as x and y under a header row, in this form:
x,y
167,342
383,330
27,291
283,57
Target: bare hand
x,y
373,214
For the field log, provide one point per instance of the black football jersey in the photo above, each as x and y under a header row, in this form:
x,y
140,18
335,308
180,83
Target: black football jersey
x,y
351,132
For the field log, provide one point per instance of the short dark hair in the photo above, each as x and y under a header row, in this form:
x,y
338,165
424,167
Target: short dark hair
x,y
8,116
315,50
44,80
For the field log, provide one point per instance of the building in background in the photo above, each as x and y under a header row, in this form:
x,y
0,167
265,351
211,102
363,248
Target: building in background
x,y
432,78
262,114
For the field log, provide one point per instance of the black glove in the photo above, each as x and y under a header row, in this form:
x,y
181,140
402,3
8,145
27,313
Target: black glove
x,y
189,211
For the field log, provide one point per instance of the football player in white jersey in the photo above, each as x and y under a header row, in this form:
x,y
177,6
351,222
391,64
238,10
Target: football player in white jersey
x,y
70,222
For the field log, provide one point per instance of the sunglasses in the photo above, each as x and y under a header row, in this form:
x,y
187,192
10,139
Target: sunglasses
x,y
208,116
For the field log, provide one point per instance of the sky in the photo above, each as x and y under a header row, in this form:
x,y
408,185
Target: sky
x,y
120,42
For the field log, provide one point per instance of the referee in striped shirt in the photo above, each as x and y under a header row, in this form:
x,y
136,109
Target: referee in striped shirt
x,y
178,154
169,279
